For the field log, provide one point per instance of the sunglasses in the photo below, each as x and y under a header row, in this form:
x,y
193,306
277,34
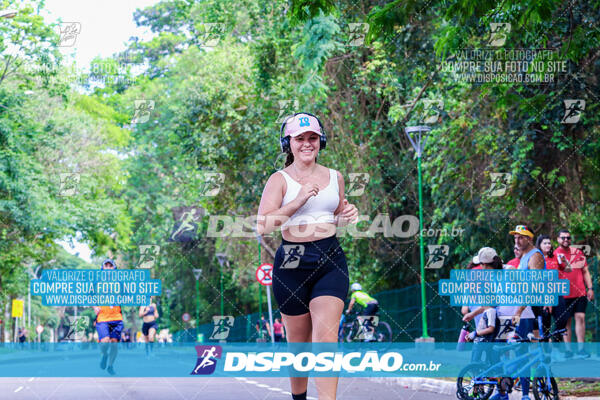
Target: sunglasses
x,y
565,237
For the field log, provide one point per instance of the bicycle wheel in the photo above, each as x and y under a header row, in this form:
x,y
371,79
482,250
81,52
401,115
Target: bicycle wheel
x,y
383,332
544,390
467,387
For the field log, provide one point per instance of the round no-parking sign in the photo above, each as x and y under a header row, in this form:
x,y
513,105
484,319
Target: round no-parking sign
x,y
263,274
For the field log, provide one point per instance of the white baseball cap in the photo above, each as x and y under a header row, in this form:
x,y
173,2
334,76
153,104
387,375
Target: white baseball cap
x,y
486,255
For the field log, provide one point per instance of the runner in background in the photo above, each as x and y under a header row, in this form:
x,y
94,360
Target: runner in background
x,y
149,315
109,324
263,328
580,293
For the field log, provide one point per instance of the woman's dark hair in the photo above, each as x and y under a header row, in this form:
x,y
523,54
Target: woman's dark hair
x,y
471,265
496,263
538,244
289,160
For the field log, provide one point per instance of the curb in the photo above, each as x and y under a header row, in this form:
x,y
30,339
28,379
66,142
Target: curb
x,y
448,388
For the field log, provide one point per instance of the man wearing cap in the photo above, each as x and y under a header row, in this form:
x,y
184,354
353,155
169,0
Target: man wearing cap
x,y
531,258
524,317
580,282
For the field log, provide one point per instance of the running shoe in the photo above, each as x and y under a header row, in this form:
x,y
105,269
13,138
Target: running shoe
x,y
583,354
103,361
568,354
499,396
110,370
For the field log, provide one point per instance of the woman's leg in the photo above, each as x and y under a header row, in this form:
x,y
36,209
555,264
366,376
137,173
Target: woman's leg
x,y
298,328
325,312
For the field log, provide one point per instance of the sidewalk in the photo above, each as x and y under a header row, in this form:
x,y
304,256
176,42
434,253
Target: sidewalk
x,y
449,388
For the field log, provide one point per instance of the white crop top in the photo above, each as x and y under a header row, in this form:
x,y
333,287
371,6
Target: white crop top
x,y
317,209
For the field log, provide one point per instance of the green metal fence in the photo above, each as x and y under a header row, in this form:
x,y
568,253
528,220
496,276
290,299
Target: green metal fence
x,y
401,309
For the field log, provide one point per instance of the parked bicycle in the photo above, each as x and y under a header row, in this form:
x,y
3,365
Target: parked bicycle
x,y
476,381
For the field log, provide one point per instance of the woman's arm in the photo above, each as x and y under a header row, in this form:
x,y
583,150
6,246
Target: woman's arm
x,y
141,312
270,213
155,310
345,213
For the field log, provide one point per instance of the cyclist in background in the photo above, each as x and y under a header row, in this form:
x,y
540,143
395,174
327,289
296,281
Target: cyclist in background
x,y
369,304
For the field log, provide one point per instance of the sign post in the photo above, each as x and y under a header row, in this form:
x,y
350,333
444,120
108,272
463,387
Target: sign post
x,y
264,277
197,273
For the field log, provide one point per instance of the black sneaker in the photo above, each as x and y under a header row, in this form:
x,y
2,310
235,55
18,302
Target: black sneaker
x,y
110,370
103,361
583,354
568,354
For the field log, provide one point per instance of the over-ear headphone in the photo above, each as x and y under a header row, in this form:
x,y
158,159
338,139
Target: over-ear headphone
x,y
284,141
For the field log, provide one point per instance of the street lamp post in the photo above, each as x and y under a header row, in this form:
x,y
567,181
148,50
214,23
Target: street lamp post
x,y
415,135
222,259
167,311
197,272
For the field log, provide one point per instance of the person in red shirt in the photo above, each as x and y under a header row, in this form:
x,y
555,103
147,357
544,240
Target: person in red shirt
x,y
278,330
581,288
515,261
558,312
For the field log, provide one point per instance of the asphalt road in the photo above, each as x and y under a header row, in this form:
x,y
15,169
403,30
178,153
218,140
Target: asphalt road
x,y
196,388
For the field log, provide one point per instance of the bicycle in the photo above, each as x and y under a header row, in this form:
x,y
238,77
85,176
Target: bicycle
x,y
352,330
476,382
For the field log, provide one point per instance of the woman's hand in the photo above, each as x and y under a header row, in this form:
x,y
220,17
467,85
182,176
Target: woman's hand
x,y
307,191
349,214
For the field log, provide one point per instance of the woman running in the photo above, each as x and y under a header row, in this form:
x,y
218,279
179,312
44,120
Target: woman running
x,y
310,274
109,324
149,315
